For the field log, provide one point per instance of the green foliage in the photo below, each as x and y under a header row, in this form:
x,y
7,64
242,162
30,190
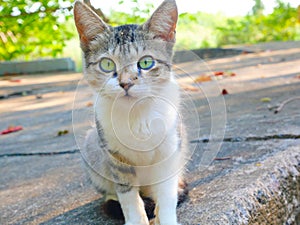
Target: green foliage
x,y
193,30
198,30
139,13
280,25
258,8
212,30
38,28
33,28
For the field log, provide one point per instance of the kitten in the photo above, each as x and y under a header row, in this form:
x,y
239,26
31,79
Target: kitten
x,y
136,148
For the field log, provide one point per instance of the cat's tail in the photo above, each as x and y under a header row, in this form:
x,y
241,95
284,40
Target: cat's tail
x,y
183,192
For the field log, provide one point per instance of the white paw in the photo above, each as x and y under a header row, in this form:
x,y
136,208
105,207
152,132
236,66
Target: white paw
x,y
158,223
137,223
164,224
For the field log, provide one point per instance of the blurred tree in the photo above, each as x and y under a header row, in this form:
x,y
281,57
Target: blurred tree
x,y
140,11
258,8
298,13
280,25
33,28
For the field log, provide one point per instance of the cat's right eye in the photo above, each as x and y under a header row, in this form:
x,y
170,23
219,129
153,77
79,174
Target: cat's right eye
x,y
107,65
146,63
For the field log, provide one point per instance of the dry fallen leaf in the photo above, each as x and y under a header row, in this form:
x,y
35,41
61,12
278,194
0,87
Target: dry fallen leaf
x,y
224,74
39,96
62,132
89,104
202,78
266,99
187,87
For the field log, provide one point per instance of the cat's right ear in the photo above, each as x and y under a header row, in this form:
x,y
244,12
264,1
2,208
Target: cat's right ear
x,y
88,23
163,21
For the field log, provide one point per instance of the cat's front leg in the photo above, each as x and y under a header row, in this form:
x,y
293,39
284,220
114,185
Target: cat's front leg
x,y
166,202
132,205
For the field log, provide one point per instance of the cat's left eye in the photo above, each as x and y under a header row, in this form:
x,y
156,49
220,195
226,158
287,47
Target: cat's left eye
x,y
146,63
107,65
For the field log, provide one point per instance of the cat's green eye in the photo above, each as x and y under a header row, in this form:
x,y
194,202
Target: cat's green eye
x,y
146,63
107,65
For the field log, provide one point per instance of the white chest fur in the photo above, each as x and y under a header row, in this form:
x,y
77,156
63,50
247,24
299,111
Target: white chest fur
x,y
142,129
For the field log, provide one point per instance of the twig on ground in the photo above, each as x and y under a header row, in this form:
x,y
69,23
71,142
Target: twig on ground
x,y
222,158
280,107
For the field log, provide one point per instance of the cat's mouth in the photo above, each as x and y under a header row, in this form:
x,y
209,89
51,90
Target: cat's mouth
x,y
133,95
128,98
127,94
126,87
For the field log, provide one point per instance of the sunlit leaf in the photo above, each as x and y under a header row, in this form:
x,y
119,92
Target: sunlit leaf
x,y
28,27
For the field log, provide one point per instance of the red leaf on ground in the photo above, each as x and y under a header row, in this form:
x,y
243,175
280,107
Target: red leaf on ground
x,y
11,129
15,81
245,53
224,92
225,74
219,73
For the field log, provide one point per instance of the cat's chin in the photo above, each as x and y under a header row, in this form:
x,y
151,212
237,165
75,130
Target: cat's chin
x,y
136,95
125,96
133,97
128,96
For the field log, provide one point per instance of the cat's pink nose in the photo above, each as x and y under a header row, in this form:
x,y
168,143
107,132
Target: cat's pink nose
x,y
126,86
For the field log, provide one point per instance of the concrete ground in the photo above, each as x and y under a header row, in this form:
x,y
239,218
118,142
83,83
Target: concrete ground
x,y
254,173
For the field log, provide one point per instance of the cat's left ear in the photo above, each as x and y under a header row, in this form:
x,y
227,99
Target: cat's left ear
x,y
88,23
163,21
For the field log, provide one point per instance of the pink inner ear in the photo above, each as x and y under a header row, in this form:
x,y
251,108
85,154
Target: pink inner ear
x,y
172,33
168,35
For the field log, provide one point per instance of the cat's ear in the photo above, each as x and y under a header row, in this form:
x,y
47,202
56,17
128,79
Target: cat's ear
x,y
163,21
88,23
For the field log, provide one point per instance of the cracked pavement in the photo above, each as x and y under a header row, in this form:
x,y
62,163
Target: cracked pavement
x,y
254,176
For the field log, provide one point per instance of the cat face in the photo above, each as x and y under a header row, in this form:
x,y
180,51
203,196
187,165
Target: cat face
x,y
129,60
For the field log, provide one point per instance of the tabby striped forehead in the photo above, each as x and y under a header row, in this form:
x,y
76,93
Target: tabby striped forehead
x,y
126,39
116,41
128,42
125,34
